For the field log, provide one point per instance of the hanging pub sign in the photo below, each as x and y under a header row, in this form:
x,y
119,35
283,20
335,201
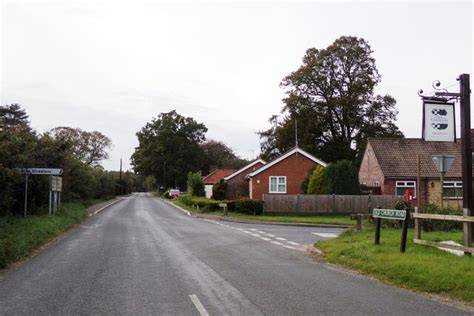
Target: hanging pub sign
x,y
438,122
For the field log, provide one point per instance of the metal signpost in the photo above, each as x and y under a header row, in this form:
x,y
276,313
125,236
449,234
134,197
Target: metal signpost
x,y
52,173
401,215
443,163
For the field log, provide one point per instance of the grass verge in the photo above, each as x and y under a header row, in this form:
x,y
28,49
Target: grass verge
x,y
20,237
421,268
335,219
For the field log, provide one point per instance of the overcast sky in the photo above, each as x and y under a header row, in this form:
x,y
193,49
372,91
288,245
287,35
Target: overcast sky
x,y
113,67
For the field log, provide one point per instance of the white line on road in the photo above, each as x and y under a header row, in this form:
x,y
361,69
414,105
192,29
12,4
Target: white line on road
x,y
270,235
294,243
280,238
325,235
277,243
289,247
264,238
202,311
255,235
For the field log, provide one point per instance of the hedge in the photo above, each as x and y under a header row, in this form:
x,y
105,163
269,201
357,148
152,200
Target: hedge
x,y
245,206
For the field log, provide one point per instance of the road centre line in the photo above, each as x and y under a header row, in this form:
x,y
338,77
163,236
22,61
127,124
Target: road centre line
x,y
280,238
265,238
202,311
277,243
293,243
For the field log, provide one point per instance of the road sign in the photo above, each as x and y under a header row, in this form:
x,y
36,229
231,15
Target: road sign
x,y
41,171
443,162
439,122
389,214
56,184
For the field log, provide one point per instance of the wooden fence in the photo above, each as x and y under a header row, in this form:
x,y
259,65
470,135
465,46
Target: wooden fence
x,y
313,204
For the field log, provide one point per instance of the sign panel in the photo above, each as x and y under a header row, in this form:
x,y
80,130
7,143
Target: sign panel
x,y
438,122
56,184
41,171
443,162
389,214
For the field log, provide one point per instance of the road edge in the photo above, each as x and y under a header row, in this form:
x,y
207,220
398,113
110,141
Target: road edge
x,y
115,201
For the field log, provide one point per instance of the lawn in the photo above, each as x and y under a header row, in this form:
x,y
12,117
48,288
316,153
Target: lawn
x,y
20,237
336,219
421,268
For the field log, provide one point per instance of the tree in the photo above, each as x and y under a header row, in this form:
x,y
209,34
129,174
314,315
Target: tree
x,y
317,181
218,155
169,148
219,190
13,116
331,96
342,178
150,183
195,184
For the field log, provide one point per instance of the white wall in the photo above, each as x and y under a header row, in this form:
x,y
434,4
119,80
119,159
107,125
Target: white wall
x,y
208,189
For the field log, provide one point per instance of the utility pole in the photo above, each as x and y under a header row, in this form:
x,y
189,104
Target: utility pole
x,y
120,177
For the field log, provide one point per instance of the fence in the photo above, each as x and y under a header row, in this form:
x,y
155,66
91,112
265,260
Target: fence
x,y
313,204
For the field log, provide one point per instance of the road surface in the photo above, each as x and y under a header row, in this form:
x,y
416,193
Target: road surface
x,y
142,256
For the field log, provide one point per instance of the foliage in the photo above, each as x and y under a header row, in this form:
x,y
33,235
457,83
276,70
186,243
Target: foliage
x,y
169,149
342,178
218,155
305,183
248,206
89,147
439,225
421,268
317,181
13,116
204,204
150,184
195,184
219,190
331,96
20,237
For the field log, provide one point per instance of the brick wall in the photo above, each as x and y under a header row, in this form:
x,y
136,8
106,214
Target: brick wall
x,y
295,168
238,186
370,171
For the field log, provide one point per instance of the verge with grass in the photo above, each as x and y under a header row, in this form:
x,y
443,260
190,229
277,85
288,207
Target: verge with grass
x,y
20,237
329,219
421,268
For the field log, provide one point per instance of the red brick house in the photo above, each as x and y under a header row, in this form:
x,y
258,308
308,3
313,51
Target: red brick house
x,y
213,178
390,164
283,175
237,185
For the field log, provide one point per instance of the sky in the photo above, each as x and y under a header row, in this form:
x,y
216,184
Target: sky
x,y
112,66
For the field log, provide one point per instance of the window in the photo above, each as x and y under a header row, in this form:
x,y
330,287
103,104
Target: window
x,y
402,186
452,189
376,184
277,184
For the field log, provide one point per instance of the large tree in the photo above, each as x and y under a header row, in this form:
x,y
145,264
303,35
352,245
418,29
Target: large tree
x,y
331,96
218,155
169,149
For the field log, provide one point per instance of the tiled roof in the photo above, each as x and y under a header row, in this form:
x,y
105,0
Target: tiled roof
x,y
217,175
397,157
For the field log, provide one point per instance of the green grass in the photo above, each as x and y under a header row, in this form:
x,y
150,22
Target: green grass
x,y
335,219
20,237
421,268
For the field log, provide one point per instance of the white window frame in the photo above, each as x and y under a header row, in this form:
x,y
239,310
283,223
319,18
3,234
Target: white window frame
x,y
278,178
452,185
405,184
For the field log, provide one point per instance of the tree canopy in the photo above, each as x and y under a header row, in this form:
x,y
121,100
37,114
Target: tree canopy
x,y
218,155
331,96
169,148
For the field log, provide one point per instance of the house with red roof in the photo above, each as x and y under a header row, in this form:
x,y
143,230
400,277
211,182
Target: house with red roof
x,y
237,184
213,178
283,175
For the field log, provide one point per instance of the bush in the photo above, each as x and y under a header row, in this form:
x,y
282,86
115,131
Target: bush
x,y
439,225
317,181
219,190
205,205
248,206
342,178
195,184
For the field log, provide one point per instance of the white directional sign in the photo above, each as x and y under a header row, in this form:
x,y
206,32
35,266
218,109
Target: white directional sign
x,y
41,171
56,184
438,122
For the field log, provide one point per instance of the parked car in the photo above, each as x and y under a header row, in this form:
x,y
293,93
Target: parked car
x,y
173,194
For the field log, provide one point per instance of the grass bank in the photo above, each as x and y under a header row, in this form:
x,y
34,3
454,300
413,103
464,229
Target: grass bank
x,y
20,237
421,268
335,219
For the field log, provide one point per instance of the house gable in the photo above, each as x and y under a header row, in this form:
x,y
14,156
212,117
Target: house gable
x,y
370,172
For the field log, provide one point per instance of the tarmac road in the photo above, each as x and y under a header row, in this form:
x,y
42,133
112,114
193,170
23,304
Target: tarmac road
x,y
142,256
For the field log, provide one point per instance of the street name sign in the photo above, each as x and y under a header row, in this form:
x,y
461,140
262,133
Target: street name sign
x,y
41,171
389,214
439,122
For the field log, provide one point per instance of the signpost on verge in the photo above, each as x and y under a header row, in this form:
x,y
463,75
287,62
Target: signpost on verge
x,y
56,172
401,215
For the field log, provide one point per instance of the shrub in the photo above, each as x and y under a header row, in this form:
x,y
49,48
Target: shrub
x,y
219,190
248,206
317,181
305,183
205,205
342,178
439,225
195,184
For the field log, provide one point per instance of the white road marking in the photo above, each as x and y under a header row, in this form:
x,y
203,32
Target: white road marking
x,y
255,235
202,311
289,247
246,232
325,235
279,238
264,238
253,229
270,235
260,232
293,243
277,243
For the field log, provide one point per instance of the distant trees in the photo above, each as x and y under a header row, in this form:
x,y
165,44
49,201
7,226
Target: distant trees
x,y
331,96
218,155
22,147
195,184
219,190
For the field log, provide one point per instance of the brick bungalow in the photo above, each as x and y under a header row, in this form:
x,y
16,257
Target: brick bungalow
x,y
213,178
389,167
237,185
283,175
